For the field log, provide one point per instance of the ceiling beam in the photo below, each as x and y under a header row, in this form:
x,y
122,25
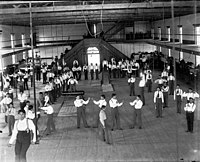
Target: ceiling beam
x,y
99,7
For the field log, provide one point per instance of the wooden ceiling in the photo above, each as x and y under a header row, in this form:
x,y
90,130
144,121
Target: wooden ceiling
x,y
79,11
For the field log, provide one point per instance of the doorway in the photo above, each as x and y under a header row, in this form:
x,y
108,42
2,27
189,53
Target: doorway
x,y
93,56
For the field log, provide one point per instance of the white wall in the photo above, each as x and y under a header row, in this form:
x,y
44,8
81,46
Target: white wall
x,y
17,30
129,48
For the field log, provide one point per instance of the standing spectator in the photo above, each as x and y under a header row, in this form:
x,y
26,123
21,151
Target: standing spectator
x,y
50,122
85,70
171,80
158,100
114,104
96,67
22,135
149,81
11,113
137,104
165,90
44,74
92,71
190,108
178,96
102,102
103,125
79,104
5,102
141,86
131,82
26,76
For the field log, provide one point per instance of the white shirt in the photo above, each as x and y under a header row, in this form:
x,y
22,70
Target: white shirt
x,y
137,103
30,114
22,125
6,100
131,80
191,95
80,102
156,93
170,77
46,100
142,83
178,92
100,103
48,87
165,89
190,107
22,97
114,103
48,109
72,81
102,117
160,81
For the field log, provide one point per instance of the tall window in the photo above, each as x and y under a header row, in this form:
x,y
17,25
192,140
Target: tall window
x,y
180,28
12,38
159,33
23,40
168,33
181,56
169,53
197,32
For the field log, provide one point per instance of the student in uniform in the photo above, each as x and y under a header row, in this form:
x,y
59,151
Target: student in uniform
x,y
178,96
100,103
22,135
114,104
158,100
137,104
96,67
50,121
72,82
165,90
141,87
190,94
189,109
131,82
103,125
79,104
11,113
149,81
171,80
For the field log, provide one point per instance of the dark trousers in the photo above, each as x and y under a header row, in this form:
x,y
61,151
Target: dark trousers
x,y
44,78
11,122
86,74
158,107
190,120
137,115
104,133
22,144
92,74
26,84
96,119
142,94
149,85
81,114
72,87
114,71
132,89
171,87
50,124
22,105
97,74
178,103
51,98
115,118
165,96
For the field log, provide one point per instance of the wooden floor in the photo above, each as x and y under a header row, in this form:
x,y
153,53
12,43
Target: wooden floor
x,y
161,139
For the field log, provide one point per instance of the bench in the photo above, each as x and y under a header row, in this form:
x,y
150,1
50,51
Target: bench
x,y
75,93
